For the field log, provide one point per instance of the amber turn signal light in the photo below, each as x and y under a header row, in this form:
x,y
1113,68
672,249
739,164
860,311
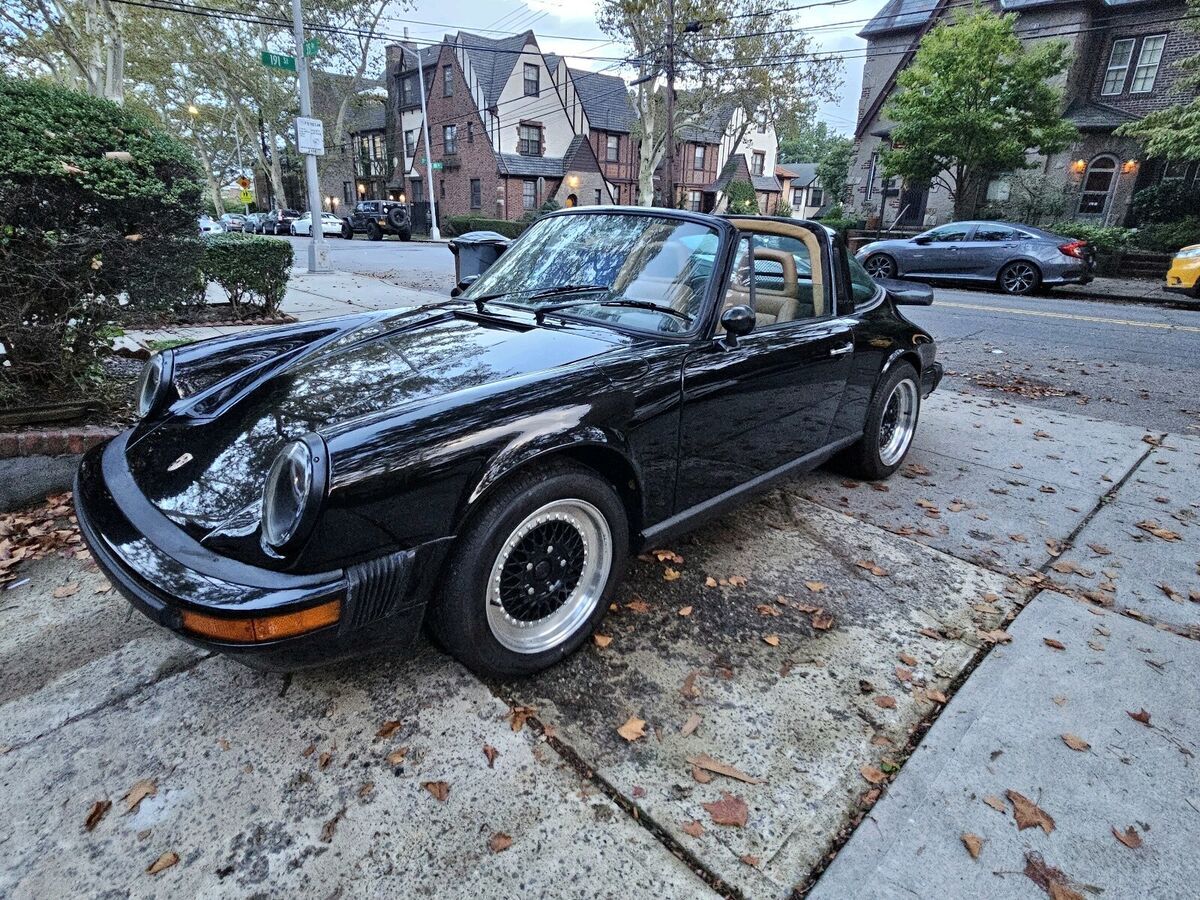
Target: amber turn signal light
x,y
262,628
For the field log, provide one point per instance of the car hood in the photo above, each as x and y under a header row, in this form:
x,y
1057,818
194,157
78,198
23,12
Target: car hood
x,y
896,244
205,464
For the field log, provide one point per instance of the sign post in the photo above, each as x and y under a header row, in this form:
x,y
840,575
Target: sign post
x,y
310,140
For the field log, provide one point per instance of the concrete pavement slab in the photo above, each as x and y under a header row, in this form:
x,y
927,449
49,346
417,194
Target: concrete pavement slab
x,y
991,482
1141,552
1003,731
783,694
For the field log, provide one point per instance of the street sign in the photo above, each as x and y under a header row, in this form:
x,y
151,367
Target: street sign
x,y
245,197
279,61
310,136
437,165
311,46
243,182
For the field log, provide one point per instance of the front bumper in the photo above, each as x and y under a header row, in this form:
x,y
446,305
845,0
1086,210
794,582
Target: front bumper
x,y
931,377
162,571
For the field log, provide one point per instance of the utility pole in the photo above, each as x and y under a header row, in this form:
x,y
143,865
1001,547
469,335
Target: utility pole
x,y
434,232
318,247
669,158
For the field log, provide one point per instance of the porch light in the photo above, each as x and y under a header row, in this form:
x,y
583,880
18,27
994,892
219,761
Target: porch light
x,y
362,188
1079,165
1130,166
401,198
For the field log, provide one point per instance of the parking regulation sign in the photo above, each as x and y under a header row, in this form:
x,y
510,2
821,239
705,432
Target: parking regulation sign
x,y
310,136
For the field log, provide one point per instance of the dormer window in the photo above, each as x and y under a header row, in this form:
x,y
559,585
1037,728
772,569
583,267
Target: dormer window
x,y
1146,72
532,80
1149,55
758,163
529,140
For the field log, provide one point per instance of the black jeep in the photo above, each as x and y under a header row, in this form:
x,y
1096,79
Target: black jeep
x,y
375,218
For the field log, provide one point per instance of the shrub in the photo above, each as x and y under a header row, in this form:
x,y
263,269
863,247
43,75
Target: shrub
x,y
459,225
784,209
843,225
1106,240
741,198
1167,201
252,270
97,217
1167,237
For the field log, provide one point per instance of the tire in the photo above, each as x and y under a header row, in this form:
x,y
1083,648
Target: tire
x,y
875,456
347,232
881,265
406,235
1019,278
481,617
374,232
292,230
397,218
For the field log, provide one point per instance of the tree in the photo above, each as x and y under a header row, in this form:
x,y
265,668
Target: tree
x,y
808,143
974,103
1174,133
745,54
833,170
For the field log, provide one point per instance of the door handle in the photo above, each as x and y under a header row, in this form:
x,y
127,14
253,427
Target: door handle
x,y
842,351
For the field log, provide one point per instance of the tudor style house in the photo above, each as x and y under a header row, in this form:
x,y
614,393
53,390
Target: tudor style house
x,y
721,149
801,189
1124,55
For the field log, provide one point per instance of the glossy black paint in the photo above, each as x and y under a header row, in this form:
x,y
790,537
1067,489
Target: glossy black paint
x,y
424,411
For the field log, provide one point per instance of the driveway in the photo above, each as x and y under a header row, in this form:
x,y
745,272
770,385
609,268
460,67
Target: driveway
x,y
724,735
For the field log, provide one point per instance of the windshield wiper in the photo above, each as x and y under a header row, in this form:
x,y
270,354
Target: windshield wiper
x,y
636,304
539,292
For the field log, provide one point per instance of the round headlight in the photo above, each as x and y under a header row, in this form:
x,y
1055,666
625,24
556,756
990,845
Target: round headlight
x,y
291,492
154,387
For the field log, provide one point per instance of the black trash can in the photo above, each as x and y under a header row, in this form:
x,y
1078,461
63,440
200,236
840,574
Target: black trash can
x,y
474,253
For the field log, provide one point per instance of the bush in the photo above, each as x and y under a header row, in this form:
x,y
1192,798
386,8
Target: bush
x,y
252,270
741,198
843,225
97,218
459,225
1167,237
1106,240
783,209
1167,201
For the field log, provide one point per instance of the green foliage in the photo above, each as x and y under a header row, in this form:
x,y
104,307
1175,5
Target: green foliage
x,y
87,238
1167,237
833,169
252,270
842,225
809,142
1104,239
1167,201
1033,198
459,225
974,101
783,208
742,200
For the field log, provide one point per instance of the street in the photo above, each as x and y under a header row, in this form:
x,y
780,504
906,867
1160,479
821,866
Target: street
x,y
415,264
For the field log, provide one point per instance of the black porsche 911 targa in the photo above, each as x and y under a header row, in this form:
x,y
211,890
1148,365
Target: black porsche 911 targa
x,y
485,465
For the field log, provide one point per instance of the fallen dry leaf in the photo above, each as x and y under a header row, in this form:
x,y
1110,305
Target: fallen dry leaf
x,y
872,774
700,776
904,674
973,843
324,760
936,696
99,809
396,757
1054,644
388,728
668,556
1099,549
1129,837
737,581
689,688
771,639
518,716
670,574
1140,716
1075,742
1152,527
822,620
693,828
163,863
995,636
692,723
633,729
1053,881
328,829
767,610
365,789
1028,814
147,787
907,660
815,586
706,762
873,567
710,582
439,789
1170,592
499,842
638,605
70,589
685,611
749,859
729,810
885,702
491,753
996,803
601,640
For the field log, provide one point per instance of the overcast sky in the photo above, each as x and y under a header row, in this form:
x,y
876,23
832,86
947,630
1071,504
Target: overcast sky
x,y
569,27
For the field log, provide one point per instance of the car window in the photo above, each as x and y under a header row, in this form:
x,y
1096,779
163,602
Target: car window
x,y
862,286
365,207
995,233
947,233
782,275
633,260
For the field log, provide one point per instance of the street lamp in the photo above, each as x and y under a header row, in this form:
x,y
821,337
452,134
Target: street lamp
x,y
434,232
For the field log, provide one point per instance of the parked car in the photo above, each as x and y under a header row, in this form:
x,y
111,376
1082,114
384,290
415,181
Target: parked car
x,y
485,464
330,224
1184,275
375,218
1018,259
278,221
233,221
253,222
209,225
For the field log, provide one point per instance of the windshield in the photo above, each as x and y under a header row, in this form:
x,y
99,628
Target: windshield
x,y
624,264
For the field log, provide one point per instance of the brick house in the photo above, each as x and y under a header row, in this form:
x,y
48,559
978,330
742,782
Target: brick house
x,y
356,167
1124,55
499,124
719,149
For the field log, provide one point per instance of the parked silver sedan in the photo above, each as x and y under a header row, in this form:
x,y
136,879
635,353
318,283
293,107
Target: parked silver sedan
x,y
1016,258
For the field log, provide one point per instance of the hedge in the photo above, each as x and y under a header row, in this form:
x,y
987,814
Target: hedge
x,y
460,225
97,218
252,270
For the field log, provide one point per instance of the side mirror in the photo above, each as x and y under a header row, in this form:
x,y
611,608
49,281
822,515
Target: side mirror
x,y
737,322
907,293
922,240
463,285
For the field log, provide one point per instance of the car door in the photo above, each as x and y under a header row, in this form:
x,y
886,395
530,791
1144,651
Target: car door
x,y
939,253
991,246
752,407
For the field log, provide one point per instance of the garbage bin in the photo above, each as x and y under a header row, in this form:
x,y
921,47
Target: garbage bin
x,y
474,252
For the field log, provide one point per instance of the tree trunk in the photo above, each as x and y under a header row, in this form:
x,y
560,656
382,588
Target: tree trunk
x,y
276,171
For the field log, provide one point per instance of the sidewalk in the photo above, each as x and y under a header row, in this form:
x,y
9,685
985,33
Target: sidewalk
x,y
1126,290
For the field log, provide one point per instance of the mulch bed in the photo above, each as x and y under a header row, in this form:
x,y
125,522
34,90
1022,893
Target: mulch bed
x,y
213,314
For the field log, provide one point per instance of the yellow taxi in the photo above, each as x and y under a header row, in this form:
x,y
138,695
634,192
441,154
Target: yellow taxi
x,y
1184,275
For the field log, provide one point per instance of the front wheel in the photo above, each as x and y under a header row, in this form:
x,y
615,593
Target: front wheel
x,y
374,232
890,426
532,574
880,265
1019,278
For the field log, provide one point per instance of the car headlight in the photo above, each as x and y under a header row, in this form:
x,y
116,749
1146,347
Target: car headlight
x,y
155,387
292,492
1189,253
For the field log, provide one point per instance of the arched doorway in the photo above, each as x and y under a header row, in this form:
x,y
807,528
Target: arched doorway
x,y
1098,183
572,200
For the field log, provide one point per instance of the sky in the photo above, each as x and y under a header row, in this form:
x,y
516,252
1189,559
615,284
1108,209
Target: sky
x,y
568,27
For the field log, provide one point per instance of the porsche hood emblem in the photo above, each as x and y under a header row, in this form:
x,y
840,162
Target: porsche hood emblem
x,y
180,463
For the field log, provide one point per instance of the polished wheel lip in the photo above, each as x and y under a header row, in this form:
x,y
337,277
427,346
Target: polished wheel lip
x,y
899,422
1018,278
543,634
880,266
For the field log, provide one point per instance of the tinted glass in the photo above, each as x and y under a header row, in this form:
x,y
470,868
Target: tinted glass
x,y
995,233
947,233
861,284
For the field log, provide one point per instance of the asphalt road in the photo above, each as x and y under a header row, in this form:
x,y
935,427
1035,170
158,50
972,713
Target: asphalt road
x,y
1131,363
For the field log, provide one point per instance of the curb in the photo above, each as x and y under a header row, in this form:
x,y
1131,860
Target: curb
x,y
37,462
1162,298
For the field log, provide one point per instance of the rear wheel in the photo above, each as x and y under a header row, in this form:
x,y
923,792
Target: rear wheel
x,y
406,235
533,572
890,426
374,232
880,265
1019,278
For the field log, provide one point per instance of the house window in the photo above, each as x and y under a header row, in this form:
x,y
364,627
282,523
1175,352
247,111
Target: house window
x,y
1146,71
449,139
871,173
798,198
612,147
1097,185
470,132
476,194
698,157
816,196
528,195
1175,170
530,140
1118,67
532,80
599,199
418,191
758,163
617,194
410,142
447,81
408,90
347,192
695,201
442,188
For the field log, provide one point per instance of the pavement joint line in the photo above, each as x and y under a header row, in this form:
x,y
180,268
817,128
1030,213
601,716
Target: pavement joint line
x,y
1047,314
591,773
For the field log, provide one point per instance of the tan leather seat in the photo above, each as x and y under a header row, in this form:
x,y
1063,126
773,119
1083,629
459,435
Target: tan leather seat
x,y
771,305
